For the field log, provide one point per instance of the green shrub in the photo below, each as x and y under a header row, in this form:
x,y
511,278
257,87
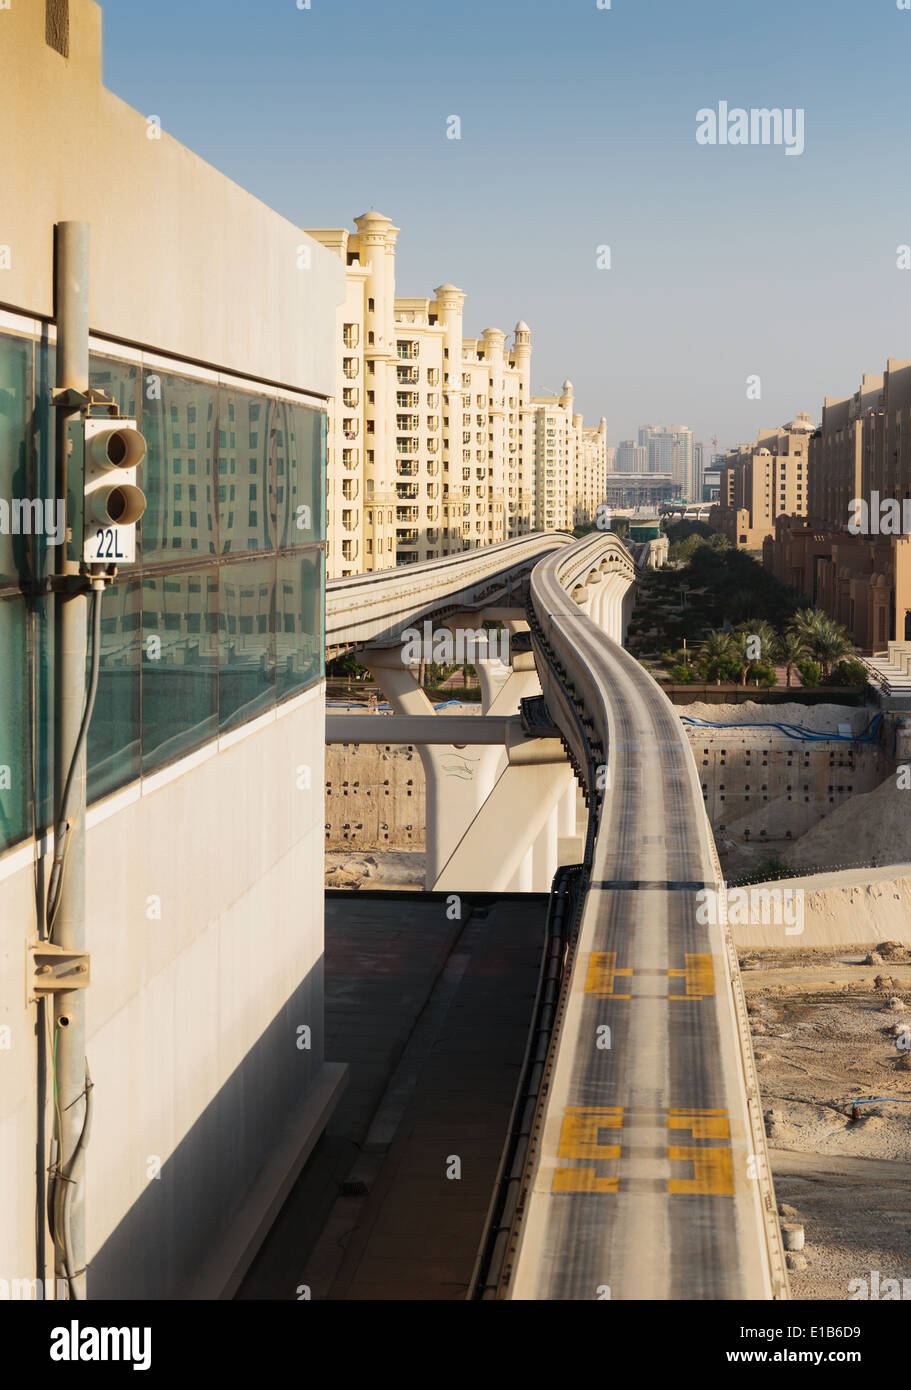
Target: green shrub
x,y
850,672
810,673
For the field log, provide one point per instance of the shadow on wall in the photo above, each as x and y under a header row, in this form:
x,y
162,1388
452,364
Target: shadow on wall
x,y
160,1247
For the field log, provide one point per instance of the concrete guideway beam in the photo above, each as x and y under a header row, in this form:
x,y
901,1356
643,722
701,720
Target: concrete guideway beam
x,y
679,1072
452,731
378,606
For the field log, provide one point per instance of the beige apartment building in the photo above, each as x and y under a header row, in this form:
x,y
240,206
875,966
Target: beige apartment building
x,y
591,472
569,462
762,481
434,441
860,574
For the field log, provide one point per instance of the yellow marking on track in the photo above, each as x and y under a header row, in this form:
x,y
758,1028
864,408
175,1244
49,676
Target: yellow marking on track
x,y
713,1172
702,1124
582,1180
602,972
580,1138
699,976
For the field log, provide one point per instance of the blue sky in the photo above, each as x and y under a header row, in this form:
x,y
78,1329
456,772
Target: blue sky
x,y
578,130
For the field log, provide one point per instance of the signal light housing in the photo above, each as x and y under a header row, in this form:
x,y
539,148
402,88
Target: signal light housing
x,y
113,504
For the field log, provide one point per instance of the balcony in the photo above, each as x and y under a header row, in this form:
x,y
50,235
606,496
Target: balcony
x,y
350,367
350,550
351,397
406,513
351,335
407,350
407,422
350,489
406,491
407,470
351,427
348,521
403,447
409,537
407,376
433,376
407,400
351,458
433,446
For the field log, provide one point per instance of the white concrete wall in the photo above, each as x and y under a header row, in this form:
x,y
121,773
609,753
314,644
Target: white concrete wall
x,y
192,1018
182,259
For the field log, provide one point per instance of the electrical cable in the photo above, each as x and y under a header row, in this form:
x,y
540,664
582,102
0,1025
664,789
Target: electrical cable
x,y
60,1229
795,731
71,1182
63,827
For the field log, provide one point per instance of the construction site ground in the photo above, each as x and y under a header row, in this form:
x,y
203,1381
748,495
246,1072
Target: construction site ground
x,y
831,1028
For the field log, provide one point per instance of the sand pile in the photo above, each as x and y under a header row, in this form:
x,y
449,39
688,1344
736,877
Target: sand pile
x,y
819,719
874,828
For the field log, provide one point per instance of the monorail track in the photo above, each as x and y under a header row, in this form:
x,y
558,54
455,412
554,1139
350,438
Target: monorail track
x,y
647,1175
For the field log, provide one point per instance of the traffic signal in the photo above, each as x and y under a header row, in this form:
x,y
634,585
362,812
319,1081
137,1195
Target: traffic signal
x,y
113,503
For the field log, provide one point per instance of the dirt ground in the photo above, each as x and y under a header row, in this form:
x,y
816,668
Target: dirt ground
x,y
831,1028
386,869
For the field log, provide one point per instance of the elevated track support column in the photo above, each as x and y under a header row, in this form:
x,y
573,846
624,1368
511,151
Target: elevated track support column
x,y
491,806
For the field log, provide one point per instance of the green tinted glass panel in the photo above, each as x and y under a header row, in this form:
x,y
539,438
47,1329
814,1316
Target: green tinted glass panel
x,y
16,481
243,443
298,474
299,621
114,733
122,380
246,631
177,475
15,774
179,665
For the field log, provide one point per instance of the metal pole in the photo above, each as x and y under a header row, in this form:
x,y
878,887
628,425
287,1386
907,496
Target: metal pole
x,y
70,613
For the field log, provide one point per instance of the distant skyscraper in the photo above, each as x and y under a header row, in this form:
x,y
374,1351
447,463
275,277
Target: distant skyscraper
x,y
631,457
671,450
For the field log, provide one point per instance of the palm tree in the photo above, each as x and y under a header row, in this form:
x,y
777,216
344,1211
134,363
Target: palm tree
x,y
832,644
717,648
791,649
826,640
806,623
740,652
759,627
